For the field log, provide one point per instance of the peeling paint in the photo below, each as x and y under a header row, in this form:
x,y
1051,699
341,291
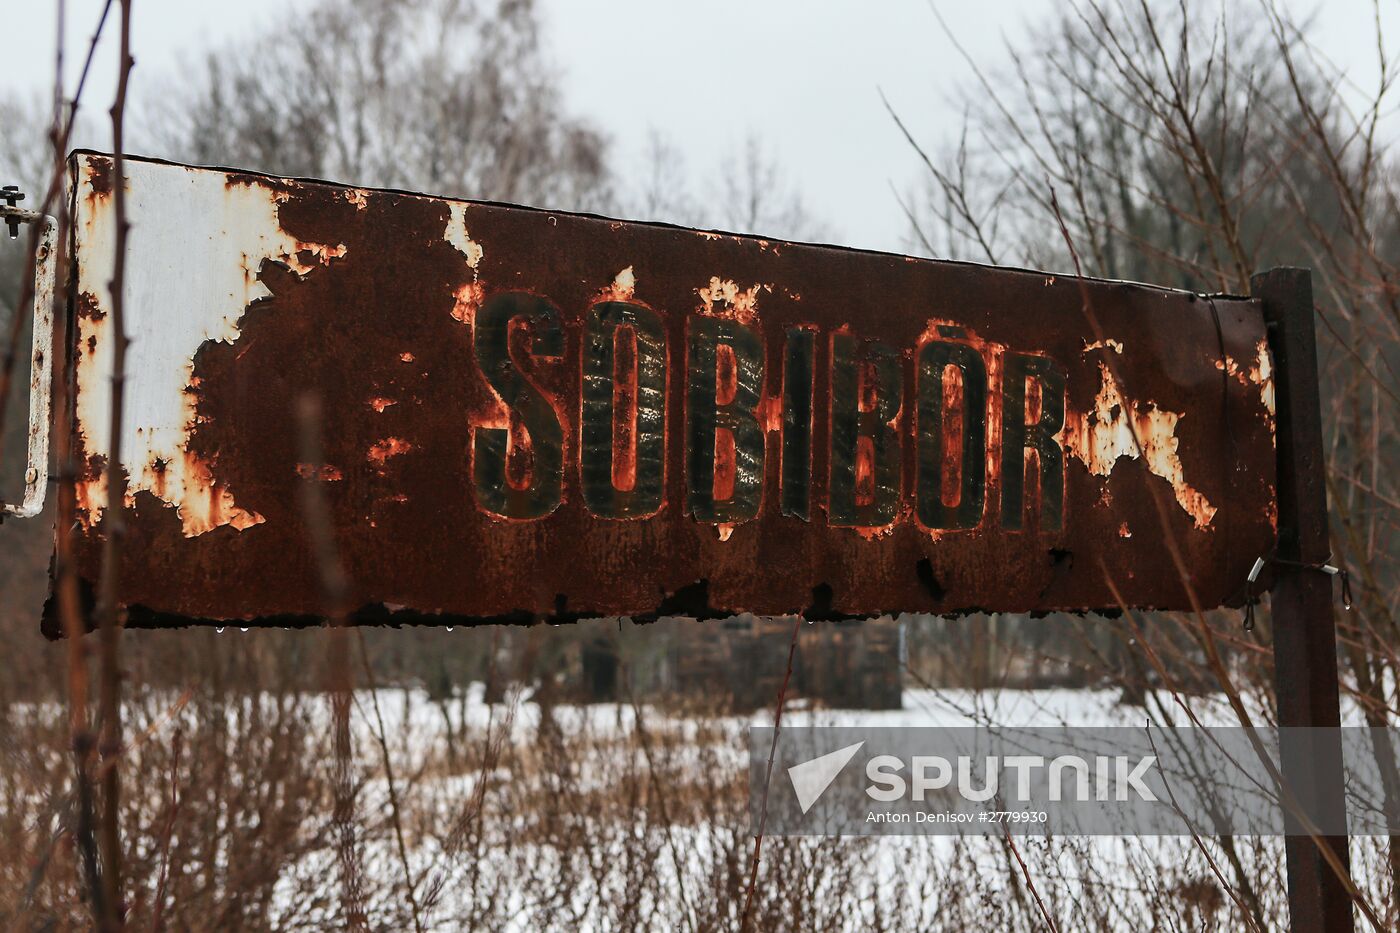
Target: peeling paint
x,y
622,288
211,279
1260,373
725,298
875,533
1114,430
457,235
468,296
1106,344
379,402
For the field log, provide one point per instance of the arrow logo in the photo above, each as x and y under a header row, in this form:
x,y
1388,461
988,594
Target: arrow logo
x,y
811,778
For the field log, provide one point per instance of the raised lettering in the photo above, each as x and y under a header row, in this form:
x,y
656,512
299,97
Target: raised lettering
x,y
510,481
865,457
935,459
622,454
724,368
1018,436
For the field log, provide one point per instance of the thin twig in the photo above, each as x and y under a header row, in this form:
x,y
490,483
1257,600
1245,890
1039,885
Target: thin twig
x,y
394,811
767,778
1030,882
114,515
158,918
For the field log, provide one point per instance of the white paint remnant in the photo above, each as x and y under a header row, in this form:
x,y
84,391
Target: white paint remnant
x,y
456,234
1105,344
193,256
724,297
1261,374
1114,430
622,288
625,284
469,295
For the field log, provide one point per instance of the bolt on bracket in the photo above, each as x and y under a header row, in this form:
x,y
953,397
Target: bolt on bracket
x,y
36,474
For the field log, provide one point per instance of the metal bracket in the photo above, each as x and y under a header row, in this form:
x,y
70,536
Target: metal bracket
x,y
36,474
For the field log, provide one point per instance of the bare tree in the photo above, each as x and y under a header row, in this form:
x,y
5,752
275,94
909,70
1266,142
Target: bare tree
x,y
1195,144
748,192
450,96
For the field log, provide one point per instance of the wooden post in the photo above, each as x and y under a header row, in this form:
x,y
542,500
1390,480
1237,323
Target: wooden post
x,y
1305,643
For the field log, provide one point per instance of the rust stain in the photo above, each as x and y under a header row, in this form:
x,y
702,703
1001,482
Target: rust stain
x,y
379,402
770,414
88,308
1114,430
207,503
381,451
624,468
99,171
326,473
466,300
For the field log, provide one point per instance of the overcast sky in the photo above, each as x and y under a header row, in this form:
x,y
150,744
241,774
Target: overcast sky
x,y
804,75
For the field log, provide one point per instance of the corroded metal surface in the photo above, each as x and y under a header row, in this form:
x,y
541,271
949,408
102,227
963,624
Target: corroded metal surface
x,y
534,414
36,471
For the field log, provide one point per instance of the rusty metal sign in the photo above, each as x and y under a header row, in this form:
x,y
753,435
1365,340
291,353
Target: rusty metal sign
x,y
532,414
